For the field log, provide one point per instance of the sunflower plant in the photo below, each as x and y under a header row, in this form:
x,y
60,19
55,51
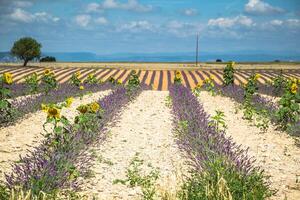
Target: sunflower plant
x,y
32,82
289,111
88,118
60,132
91,79
228,75
8,112
178,77
133,83
209,85
49,81
196,91
74,80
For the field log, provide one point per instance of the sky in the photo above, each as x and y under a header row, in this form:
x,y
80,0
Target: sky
x,y
153,26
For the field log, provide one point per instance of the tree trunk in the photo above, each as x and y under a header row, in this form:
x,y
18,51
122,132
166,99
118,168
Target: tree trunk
x,y
25,62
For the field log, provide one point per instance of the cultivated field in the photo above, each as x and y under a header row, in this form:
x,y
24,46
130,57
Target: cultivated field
x,y
150,131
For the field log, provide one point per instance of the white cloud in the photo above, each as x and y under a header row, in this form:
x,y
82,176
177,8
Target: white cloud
x,y
137,26
183,29
276,22
132,5
258,7
190,12
83,20
293,23
101,20
21,15
240,20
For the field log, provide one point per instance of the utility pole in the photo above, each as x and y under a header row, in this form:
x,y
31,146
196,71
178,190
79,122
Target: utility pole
x,y
197,48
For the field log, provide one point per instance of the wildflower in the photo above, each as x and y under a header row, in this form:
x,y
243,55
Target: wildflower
x,y
94,107
82,109
47,72
7,78
91,75
232,64
44,107
81,87
69,101
257,76
53,112
294,88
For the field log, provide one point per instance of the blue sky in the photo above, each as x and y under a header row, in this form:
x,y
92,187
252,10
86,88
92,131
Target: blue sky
x,y
148,26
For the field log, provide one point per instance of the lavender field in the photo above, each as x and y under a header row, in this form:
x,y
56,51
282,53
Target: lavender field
x,y
92,139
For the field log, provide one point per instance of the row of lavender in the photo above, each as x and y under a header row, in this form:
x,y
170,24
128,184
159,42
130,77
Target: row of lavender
x,y
63,156
220,168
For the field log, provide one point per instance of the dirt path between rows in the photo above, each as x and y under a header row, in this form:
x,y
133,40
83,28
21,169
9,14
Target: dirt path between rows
x,y
16,139
274,151
145,127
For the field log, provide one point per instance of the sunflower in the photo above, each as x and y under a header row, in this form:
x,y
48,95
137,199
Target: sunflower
x,y
91,75
7,78
200,84
232,64
178,74
78,73
94,107
119,82
69,101
47,72
82,109
81,87
44,107
294,88
257,76
53,113
212,77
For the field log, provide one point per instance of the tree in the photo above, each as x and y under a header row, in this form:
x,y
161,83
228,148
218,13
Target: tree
x,y
26,49
48,59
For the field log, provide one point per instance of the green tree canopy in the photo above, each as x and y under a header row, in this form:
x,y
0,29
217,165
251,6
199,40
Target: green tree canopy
x,y
26,49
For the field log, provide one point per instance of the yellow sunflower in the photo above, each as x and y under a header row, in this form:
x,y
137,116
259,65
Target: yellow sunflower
x,y
294,88
78,73
200,84
119,82
94,107
178,74
53,113
81,87
257,76
44,107
212,77
47,72
69,102
7,78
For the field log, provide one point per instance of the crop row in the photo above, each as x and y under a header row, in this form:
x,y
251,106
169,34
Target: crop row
x,y
220,168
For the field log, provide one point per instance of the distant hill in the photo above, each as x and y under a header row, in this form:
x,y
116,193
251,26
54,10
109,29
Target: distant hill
x,y
242,56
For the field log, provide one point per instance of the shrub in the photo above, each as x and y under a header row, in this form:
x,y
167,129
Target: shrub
x,y
228,74
26,49
48,59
